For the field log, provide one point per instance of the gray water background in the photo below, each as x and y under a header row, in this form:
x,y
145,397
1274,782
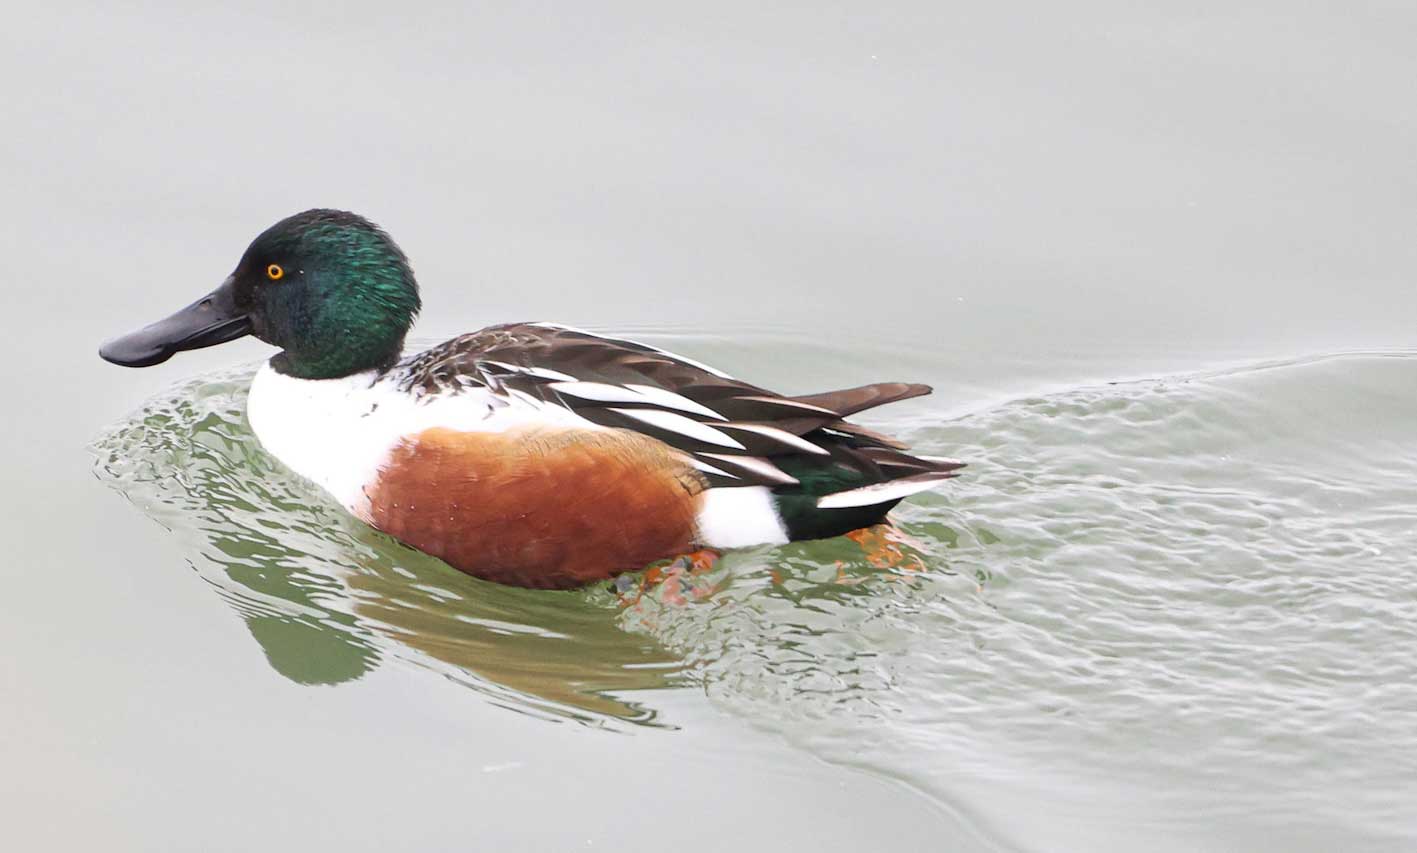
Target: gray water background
x,y
1180,612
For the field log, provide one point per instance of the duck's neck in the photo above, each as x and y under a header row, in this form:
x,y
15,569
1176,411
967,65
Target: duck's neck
x,y
338,362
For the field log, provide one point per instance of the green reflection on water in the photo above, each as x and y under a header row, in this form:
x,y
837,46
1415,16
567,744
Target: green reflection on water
x,y
327,598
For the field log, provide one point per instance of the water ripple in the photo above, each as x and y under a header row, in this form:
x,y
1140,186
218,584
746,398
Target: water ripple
x,y
1178,612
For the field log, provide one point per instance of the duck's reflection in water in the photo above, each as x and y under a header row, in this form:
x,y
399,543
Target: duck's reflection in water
x,y
328,599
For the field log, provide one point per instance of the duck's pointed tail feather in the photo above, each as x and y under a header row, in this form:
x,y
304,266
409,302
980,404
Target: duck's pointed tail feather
x,y
849,401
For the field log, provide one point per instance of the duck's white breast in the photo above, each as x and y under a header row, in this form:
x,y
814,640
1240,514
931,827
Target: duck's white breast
x,y
339,433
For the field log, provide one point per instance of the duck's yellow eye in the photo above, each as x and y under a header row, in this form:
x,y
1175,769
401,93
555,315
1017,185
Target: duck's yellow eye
x,y
274,272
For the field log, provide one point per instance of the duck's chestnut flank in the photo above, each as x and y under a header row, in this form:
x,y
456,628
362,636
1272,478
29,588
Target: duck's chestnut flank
x,y
538,507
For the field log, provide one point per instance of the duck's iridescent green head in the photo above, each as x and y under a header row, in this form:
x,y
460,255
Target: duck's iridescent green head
x,y
329,288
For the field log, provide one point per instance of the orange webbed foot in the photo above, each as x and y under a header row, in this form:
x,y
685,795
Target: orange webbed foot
x,y
888,547
675,579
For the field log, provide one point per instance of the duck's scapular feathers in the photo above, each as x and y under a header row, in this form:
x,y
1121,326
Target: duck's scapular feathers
x,y
735,433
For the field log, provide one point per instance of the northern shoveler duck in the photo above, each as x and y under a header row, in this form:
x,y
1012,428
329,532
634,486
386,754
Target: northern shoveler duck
x,y
530,454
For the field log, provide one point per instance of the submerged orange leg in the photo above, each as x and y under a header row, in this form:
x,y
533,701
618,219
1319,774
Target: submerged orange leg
x,y
697,562
675,578
887,547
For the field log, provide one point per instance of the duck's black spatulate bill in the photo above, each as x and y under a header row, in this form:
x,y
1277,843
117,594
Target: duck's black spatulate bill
x,y
213,319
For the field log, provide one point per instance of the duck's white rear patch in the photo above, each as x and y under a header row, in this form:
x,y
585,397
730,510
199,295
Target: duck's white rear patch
x,y
740,516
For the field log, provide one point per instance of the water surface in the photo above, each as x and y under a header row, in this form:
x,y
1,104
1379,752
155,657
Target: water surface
x,y
1174,610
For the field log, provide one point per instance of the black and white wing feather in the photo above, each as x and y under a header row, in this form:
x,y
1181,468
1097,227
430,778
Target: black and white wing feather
x,y
735,433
